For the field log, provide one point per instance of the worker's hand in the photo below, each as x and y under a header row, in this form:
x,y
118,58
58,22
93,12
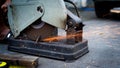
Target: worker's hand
x,y
5,5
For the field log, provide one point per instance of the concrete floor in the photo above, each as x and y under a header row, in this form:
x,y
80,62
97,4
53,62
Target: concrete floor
x,y
103,37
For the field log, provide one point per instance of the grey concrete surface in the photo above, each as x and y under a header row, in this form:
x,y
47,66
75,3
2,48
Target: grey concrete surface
x,y
103,37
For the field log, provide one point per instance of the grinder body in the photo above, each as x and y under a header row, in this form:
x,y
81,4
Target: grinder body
x,y
32,21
